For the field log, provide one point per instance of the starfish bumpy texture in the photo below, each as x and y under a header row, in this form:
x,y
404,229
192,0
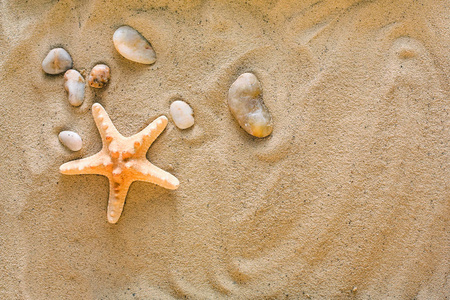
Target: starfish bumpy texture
x,y
123,160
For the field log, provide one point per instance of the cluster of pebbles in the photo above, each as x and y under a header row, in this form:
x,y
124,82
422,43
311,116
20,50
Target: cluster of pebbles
x,y
57,61
244,96
131,45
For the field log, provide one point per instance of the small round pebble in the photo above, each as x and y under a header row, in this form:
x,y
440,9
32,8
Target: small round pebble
x,y
99,76
71,140
182,114
57,61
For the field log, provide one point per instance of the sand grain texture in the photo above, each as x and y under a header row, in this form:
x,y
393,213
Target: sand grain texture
x,y
350,190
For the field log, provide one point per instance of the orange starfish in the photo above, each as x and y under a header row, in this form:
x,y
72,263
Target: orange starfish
x,y
123,160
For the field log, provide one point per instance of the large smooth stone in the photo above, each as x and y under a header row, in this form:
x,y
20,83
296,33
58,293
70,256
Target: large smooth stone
x,y
133,46
57,61
247,106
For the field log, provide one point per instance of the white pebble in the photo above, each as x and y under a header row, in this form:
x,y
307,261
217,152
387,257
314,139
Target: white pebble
x,y
247,106
57,61
71,140
133,46
182,114
74,85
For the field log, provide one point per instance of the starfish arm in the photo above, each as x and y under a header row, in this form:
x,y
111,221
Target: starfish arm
x,y
148,172
104,124
117,195
96,164
143,139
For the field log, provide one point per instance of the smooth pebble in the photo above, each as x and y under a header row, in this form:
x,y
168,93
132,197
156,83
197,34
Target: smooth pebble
x,y
247,106
133,46
57,61
71,140
182,114
74,84
99,76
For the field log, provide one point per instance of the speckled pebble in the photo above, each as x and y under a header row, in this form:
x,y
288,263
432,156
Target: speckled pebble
x,y
99,76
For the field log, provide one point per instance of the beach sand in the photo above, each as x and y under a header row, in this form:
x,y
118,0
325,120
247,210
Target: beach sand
x,y
347,198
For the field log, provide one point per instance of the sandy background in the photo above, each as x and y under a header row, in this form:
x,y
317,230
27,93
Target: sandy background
x,y
351,189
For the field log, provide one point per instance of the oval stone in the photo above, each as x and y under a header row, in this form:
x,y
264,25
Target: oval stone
x,y
71,140
182,114
133,46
